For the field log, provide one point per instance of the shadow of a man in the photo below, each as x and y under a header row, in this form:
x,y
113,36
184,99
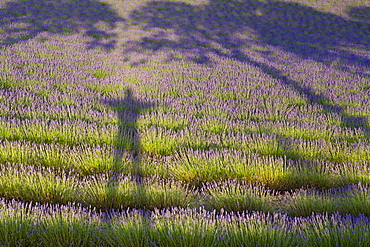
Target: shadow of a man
x,y
127,140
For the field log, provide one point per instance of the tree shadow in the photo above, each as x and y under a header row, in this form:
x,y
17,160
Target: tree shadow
x,y
360,13
25,19
127,140
215,28
295,28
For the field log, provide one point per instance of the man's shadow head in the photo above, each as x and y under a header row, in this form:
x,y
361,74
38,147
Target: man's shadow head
x,y
128,109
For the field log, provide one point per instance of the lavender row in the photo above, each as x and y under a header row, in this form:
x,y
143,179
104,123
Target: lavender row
x,y
37,224
197,166
115,191
203,117
77,132
105,191
281,163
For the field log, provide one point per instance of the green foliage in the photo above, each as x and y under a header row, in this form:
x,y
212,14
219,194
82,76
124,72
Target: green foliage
x,y
102,74
238,197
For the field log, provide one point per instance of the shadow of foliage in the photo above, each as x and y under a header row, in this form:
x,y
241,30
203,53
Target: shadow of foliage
x,y
217,28
24,19
360,13
295,28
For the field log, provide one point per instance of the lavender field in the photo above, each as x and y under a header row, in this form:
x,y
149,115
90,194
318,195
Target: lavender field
x,y
184,123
